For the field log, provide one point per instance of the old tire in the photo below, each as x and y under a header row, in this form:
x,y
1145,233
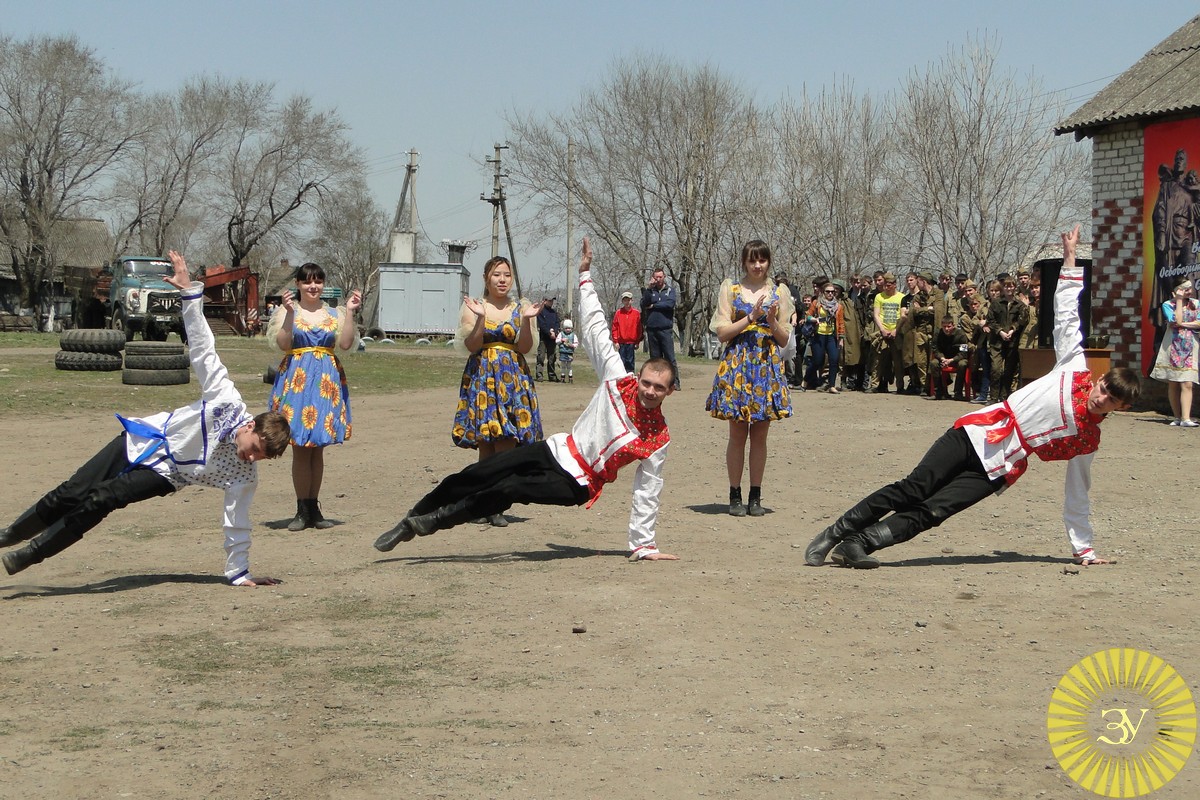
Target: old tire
x,y
165,361
87,362
155,377
92,341
153,349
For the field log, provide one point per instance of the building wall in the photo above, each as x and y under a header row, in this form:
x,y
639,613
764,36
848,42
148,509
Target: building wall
x,y
1117,257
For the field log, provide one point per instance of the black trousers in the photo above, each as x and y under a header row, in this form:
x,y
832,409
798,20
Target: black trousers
x,y
521,475
96,489
949,479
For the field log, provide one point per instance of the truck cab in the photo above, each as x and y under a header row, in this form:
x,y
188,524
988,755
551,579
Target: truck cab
x,y
140,299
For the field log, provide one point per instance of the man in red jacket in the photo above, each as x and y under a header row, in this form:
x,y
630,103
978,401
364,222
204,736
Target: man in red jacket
x,y
627,330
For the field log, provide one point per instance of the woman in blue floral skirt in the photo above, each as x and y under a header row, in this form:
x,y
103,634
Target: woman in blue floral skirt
x,y
497,404
310,389
749,389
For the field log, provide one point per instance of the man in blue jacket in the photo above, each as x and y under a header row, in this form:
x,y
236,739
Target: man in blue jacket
x,y
658,319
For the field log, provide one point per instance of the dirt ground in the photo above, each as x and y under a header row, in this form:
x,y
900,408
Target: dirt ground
x,y
449,668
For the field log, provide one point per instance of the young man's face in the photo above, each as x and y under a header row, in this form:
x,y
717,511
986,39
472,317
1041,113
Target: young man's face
x,y
250,445
1101,402
1009,290
653,387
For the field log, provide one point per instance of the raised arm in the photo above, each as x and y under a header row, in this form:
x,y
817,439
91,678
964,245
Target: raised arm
x,y
593,329
202,347
1068,338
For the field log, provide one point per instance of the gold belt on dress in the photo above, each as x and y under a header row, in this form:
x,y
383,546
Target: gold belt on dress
x,y
501,345
326,350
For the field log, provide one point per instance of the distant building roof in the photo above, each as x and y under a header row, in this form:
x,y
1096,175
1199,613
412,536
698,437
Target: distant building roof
x,y
1165,81
76,243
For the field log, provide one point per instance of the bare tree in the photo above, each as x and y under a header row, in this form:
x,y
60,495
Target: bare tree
x,y
280,157
350,237
64,119
157,191
837,193
986,183
667,163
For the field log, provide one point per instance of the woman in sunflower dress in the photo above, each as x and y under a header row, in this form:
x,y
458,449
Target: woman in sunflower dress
x,y
310,389
497,405
749,389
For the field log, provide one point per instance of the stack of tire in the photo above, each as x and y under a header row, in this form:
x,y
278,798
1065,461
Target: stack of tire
x,y
156,364
90,350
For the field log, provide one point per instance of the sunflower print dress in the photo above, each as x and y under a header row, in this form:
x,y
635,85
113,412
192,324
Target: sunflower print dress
x,y
310,389
496,399
749,385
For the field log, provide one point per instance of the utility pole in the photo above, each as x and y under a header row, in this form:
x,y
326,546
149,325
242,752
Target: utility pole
x,y
570,226
500,209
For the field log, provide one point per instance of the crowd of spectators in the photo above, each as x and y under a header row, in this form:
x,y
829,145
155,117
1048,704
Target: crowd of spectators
x,y
941,338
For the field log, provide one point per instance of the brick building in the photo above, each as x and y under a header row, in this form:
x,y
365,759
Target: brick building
x,y
1150,109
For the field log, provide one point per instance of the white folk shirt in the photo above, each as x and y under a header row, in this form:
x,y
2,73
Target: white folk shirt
x,y
605,434
197,446
1048,418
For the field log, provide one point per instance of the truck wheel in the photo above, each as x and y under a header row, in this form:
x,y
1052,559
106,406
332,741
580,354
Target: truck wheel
x,y
92,341
157,361
118,324
87,362
153,349
155,377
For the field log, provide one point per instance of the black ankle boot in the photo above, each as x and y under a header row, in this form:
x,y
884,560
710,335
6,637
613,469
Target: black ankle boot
x,y
754,506
21,558
25,527
853,520
856,548
403,532
314,515
736,509
301,520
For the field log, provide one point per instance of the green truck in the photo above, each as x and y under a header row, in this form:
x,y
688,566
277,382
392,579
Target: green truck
x,y
130,295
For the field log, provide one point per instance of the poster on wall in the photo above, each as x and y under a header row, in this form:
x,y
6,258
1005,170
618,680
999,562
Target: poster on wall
x,y
1171,227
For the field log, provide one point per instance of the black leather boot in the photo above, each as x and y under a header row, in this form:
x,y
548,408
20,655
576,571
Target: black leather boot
x,y
736,508
314,515
21,558
301,520
856,548
403,532
855,519
754,504
24,528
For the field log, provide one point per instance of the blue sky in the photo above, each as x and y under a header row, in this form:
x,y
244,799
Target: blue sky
x,y
439,76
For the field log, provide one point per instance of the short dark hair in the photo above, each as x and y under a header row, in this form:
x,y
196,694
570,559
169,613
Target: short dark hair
x,y
660,364
756,249
1124,384
309,271
275,432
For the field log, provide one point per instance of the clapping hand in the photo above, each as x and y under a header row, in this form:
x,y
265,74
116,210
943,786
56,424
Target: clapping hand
x,y
473,305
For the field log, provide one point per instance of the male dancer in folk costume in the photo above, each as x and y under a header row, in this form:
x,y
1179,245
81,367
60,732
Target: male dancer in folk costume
x,y
622,424
213,442
1056,418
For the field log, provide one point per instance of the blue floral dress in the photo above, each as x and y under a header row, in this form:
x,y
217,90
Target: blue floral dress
x,y
749,385
496,399
310,389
